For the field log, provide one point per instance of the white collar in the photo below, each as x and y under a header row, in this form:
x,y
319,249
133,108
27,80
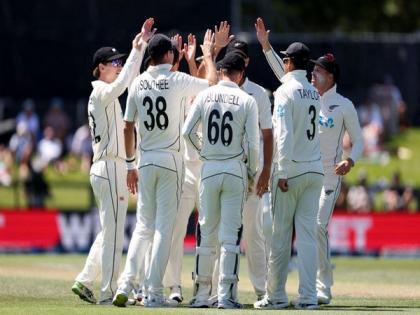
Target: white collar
x,y
331,91
295,74
227,83
160,67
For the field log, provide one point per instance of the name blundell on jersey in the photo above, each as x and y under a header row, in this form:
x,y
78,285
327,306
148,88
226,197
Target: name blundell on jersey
x,y
308,94
222,98
162,84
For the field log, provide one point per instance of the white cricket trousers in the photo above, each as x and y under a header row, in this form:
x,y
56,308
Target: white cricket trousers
x,y
223,190
254,238
109,184
160,181
189,201
329,195
298,206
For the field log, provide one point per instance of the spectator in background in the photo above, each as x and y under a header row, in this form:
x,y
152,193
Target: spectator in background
x,y
398,197
36,187
372,128
358,197
22,146
29,117
6,161
57,119
50,147
81,146
388,96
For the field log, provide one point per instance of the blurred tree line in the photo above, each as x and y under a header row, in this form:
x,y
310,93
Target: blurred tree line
x,y
354,16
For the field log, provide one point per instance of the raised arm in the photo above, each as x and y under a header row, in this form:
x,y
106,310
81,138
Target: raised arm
x,y
108,93
210,66
177,39
190,49
221,37
274,60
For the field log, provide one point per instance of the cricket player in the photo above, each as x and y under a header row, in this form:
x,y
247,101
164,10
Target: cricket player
x,y
189,198
337,116
155,101
228,116
107,174
296,182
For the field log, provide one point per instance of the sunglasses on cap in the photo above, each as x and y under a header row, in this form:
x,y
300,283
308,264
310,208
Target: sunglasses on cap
x,y
117,63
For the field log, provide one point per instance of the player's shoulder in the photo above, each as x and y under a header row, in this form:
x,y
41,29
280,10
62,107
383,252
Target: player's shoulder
x,y
345,102
251,85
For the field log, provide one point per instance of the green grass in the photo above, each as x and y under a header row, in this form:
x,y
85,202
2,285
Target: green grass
x,y
409,167
40,284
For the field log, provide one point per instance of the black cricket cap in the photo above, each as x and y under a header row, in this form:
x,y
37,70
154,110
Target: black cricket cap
x,y
159,45
297,50
232,61
106,54
238,45
329,63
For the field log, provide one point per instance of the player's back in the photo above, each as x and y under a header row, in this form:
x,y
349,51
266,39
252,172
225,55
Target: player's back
x,y
159,97
302,112
224,110
105,124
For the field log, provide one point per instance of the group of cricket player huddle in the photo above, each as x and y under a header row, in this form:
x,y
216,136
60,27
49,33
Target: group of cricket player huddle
x,y
208,140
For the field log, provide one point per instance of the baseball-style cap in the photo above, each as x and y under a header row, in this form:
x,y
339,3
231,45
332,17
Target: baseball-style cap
x,y
106,54
159,44
232,61
329,63
296,50
238,45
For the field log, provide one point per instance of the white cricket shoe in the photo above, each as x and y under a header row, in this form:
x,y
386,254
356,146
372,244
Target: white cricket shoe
x,y
83,292
266,304
324,296
306,306
200,303
229,304
176,294
159,302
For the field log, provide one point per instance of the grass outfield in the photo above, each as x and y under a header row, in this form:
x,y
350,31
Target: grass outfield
x,y
40,284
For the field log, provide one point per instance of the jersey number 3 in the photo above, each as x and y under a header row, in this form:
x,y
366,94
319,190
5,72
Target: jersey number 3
x,y
225,130
161,118
310,133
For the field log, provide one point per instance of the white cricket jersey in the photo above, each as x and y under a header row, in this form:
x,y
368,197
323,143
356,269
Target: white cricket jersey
x,y
264,110
104,110
228,115
295,119
263,102
338,115
157,98
190,154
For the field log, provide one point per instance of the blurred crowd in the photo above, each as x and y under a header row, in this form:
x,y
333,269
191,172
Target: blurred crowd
x,y
38,142
64,141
